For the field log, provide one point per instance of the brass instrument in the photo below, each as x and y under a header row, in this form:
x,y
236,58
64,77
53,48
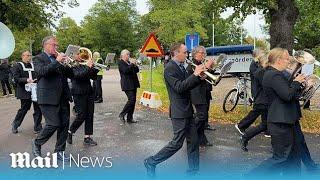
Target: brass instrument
x,y
312,83
7,42
84,55
220,62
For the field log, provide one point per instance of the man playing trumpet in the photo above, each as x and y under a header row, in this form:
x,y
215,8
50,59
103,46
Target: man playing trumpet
x,y
129,83
53,95
179,82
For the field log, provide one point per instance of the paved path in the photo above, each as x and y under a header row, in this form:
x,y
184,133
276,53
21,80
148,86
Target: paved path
x,y
129,144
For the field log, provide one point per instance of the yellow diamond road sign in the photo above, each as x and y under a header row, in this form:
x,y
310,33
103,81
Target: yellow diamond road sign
x,y
152,47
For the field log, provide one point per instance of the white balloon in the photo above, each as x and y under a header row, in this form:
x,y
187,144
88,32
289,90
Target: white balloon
x,y
7,42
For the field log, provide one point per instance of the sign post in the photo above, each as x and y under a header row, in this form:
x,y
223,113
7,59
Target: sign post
x,y
152,49
192,40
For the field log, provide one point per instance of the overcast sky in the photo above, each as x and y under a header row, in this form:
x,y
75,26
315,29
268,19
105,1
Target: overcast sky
x,y
82,10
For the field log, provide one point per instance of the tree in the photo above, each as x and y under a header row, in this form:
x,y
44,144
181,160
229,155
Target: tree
x,y
111,26
27,37
306,31
68,32
281,14
172,19
21,14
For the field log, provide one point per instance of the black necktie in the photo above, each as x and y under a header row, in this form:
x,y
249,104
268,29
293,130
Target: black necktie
x,y
183,69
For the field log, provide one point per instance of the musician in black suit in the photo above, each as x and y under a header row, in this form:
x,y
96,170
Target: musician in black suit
x,y
199,96
283,116
53,95
83,96
21,77
129,84
247,121
179,83
260,107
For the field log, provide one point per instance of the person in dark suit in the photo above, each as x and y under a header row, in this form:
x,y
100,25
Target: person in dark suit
x,y
199,96
4,77
179,83
260,107
22,77
283,116
53,95
246,122
83,96
129,84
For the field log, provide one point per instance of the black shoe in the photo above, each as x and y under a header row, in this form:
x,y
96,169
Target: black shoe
x,y
69,138
243,144
37,131
122,118
89,141
36,149
151,169
62,156
208,127
98,101
132,121
14,129
208,144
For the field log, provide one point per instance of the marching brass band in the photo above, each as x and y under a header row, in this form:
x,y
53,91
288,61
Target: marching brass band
x,y
279,87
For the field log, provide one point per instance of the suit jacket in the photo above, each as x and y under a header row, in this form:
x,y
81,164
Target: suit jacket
x,y
260,97
253,68
283,104
200,92
129,79
81,79
4,71
52,86
178,87
20,78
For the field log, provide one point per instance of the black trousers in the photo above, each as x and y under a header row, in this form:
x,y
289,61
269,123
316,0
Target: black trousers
x,y
24,108
200,119
286,158
57,118
208,98
251,117
304,150
5,85
182,129
84,104
97,86
128,109
262,127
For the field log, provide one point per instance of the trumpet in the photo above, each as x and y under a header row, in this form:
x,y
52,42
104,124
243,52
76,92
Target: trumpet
x,y
220,62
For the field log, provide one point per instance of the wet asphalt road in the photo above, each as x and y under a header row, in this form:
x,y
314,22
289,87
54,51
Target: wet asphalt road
x,y
129,144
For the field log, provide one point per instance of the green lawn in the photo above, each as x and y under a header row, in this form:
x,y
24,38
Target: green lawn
x,y
310,121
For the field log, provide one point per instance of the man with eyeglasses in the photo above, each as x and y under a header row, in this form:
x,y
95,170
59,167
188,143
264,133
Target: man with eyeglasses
x,y
53,95
179,82
23,74
200,98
